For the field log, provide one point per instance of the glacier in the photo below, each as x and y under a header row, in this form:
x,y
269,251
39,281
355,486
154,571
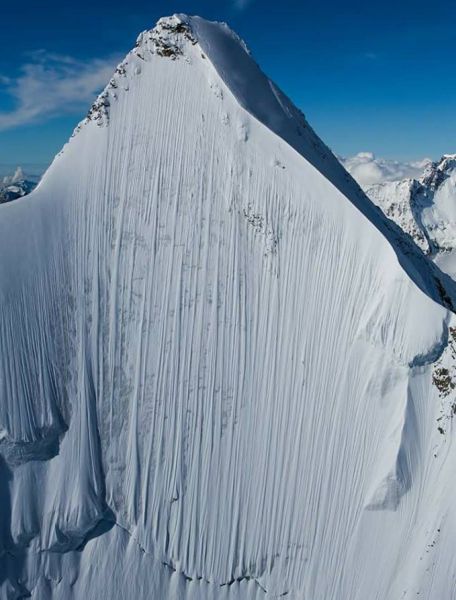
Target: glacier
x,y
224,373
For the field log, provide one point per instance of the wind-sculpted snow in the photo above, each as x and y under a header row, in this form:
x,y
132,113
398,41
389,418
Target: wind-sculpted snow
x,y
216,371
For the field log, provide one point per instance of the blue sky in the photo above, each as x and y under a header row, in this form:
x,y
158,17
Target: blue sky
x,y
377,76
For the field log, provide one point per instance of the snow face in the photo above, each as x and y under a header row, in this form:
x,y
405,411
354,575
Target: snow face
x,y
217,356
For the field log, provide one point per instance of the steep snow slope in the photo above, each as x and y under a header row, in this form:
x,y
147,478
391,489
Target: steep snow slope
x,y
220,365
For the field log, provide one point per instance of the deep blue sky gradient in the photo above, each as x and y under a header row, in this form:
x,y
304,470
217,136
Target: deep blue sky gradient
x,y
377,76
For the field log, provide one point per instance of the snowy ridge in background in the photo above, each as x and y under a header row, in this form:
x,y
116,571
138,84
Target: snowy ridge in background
x,y
221,367
424,207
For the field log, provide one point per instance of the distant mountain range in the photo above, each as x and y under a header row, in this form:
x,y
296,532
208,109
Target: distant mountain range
x,y
16,185
419,196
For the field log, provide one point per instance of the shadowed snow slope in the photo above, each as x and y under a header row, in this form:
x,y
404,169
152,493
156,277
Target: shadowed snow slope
x,y
216,360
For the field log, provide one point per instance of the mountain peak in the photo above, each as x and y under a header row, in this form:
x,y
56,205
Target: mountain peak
x,y
16,185
168,38
216,369
437,172
187,48
425,208
228,64
172,38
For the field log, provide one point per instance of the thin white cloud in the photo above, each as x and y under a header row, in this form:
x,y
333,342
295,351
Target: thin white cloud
x,y
241,4
368,170
51,85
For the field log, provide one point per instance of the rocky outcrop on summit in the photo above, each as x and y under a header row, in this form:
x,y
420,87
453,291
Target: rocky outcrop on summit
x,y
167,39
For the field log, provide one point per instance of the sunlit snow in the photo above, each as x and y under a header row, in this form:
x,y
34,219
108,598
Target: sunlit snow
x,y
218,359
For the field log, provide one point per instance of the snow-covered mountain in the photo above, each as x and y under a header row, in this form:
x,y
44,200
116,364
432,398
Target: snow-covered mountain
x,y
424,207
16,185
224,373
